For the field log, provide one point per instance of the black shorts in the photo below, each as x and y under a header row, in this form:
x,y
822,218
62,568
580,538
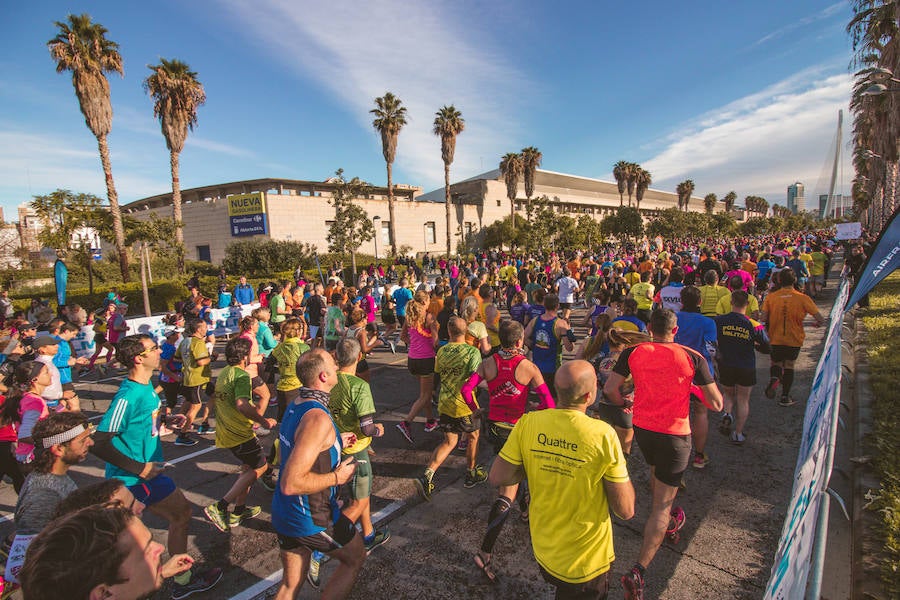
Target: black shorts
x,y
614,415
193,394
421,367
595,589
171,389
256,382
401,319
335,537
284,398
100,339
388,317
565,305
729,376
68,387
466,424
781,353
498,433
250,453
668,454
362,366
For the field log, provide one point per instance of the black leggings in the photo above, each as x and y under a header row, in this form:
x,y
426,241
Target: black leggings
x,y
9,466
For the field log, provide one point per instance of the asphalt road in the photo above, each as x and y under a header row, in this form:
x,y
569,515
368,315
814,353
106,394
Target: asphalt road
x,y
735,507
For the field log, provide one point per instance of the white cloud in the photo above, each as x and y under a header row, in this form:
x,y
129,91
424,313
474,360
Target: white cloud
x,y
419,51
825,13
761,143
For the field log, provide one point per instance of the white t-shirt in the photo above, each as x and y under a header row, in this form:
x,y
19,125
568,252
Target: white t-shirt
x,y
567,287
53,391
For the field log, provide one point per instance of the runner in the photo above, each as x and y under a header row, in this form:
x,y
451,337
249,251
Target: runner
x,y
196,373
566,288
420,334
547,335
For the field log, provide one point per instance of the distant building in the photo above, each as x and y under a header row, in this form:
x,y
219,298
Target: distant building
x,y
837,206
796,202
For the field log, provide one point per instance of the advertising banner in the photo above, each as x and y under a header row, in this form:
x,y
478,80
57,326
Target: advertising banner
x,y
883,261
848,231
247,214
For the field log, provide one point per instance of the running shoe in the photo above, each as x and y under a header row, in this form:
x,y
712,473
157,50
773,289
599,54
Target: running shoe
x,y
425,486
205,428
786,401
772,388
185,440
268,481
738,438
678,520
164,431
379,537
312,576
217,516
200,582
725,425
700,460
389,344
403,426
475,476
633,582
431,425
235,519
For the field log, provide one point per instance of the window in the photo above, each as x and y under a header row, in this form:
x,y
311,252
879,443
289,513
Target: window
x,y
430,236
203,254
386,232
328,225
499,202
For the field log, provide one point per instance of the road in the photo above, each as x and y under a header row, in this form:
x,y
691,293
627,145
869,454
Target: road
x,y
735,507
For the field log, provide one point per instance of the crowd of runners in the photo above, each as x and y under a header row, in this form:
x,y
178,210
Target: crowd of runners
x,y
674,330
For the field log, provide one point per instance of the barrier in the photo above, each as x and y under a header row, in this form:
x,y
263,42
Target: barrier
x,y
225,321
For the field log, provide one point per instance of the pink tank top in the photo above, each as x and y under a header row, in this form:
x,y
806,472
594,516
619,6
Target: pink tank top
x,y
252,368
421,345
508,396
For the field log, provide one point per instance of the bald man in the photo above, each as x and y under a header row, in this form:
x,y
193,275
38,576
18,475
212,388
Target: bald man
x,y
563,452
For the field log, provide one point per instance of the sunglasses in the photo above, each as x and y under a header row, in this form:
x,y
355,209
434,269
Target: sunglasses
x,y
147,351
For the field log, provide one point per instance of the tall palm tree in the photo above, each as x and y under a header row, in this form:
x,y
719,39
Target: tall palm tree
x,y
620,172
176,94
729,199
448,123
511,168
643,180
531,160
684,191
390,117
82,48
631,172
709,203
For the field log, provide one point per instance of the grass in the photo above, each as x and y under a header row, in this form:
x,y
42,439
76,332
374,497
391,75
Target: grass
x,y
882,320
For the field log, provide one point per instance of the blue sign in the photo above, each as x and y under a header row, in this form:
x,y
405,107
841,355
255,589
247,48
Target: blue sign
x,y
248,225
885,258
96,253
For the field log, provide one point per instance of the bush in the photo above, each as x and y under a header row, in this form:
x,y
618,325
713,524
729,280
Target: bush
x,y
264,257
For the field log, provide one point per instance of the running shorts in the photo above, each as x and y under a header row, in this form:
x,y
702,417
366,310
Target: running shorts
x,y
617,416
466,424
565,305
361,484
250,453
335,537
780,353
595,589
154,490
193,394
256,382
421,367
99,339
729,376
498,433
285,397
171,389
668,454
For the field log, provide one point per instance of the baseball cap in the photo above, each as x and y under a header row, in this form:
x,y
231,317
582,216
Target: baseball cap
x,y
44,340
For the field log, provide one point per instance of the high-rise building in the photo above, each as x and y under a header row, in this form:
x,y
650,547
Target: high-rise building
x,y
795,199
837,206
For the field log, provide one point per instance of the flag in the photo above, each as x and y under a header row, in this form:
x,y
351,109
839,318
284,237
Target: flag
x,y
61,278
883,261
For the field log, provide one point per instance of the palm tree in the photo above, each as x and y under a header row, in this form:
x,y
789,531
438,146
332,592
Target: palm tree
x,y
82,48
448,123
679,191
709,203
631,172
620,172
511,168
176,96
643,180
688,192
390,117
729,199
531,160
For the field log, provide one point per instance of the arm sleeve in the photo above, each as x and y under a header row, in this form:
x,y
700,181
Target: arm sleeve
x,y
29,418
103,448
543,393
468,388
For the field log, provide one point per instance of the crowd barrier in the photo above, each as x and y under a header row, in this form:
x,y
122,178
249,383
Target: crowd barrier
x,y
224,322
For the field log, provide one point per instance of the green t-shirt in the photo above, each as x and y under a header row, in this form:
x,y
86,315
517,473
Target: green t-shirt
x,y
530,289
455,362
817,267
351,399
232,427
590,283
334,318
133,415
277,302
193,349
287,353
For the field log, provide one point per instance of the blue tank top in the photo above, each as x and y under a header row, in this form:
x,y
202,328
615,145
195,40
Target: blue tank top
x,y
301,516
545,349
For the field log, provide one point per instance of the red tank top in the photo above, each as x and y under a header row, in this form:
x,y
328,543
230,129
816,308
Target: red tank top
x,y
508,396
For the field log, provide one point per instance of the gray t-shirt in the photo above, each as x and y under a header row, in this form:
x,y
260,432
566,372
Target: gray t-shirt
x,y
40,496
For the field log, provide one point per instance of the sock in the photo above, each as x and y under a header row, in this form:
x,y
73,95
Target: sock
x,y
787,381
496,519
223,504
183,578
239,509
429,474
775,371
640,568
369,538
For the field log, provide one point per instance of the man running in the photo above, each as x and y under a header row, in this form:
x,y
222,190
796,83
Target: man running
x,y
195,375
547,335
128,440
663,373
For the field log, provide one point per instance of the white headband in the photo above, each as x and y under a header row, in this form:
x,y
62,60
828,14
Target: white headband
x,y
65,436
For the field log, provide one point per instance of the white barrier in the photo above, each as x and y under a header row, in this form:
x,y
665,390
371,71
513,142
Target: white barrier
x,y
224,322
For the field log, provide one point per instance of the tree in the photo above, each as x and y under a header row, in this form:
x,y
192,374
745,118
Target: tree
x,y
176,94
643,179
511,168
709,203
448,123
631,172
531,160
390,117
620,172
589,231
82,48
684,191
669,224
729,199
351,227
625,223
508,231
754,226
723,224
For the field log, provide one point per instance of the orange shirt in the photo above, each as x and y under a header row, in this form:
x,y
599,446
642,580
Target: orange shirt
x,y
785,310
749,266
574,267
647,265
435,306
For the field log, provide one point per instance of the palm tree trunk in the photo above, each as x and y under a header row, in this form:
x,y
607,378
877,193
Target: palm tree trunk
x,y
176,210
447,202
113,198
393,227
621,200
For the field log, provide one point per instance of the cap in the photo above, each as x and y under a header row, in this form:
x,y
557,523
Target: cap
x,y
28,325
44,340
268,287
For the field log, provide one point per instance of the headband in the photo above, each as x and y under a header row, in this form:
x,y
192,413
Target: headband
x,y
65,436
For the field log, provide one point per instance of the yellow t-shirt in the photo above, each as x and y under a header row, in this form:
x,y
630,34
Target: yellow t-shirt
x,y
233,428
632,278
566,456
724,305
639,293
709,299
193,349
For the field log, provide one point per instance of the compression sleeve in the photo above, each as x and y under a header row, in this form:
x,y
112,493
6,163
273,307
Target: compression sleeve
x,y
103,448
468,388
543,393
29,418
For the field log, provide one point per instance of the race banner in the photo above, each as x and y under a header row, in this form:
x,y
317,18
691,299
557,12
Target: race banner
x,y
882,262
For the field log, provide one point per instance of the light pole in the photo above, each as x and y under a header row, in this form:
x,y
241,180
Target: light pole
x,y
376,218
878,79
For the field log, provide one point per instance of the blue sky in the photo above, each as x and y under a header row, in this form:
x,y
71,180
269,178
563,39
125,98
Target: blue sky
x,y
735,95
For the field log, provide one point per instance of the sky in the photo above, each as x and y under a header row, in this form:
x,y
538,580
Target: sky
x,y
739,96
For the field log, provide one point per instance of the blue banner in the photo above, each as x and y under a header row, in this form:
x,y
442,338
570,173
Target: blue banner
x,y
61,278
884,260
248,225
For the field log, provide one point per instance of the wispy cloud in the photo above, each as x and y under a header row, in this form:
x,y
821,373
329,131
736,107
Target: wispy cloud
x,y
421,52
823,14
145,124
761,143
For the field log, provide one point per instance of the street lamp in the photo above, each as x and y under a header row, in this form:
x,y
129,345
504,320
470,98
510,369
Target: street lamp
x,y
376,218
878,79
877,89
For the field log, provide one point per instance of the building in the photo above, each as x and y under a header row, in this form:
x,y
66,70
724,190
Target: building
x,y
837,206
282,209
795,199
